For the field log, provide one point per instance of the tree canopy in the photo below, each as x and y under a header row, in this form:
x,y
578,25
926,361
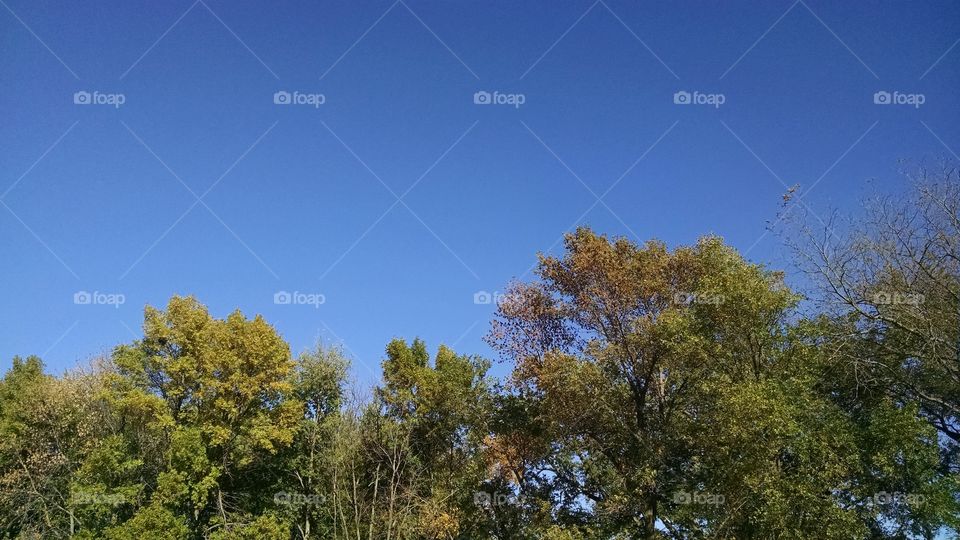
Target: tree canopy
x,y
653,393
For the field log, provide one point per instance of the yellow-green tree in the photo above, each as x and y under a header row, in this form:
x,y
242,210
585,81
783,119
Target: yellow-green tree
x,y
227,410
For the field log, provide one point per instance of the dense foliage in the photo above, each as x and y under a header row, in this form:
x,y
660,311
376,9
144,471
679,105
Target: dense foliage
x,y
654,393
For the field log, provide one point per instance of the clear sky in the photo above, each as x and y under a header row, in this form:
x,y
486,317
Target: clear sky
x,y
388,190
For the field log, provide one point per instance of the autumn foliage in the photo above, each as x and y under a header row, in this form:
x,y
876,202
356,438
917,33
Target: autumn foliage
x,y
655,392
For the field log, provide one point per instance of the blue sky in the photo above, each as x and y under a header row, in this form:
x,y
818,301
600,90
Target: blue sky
x,y
398,197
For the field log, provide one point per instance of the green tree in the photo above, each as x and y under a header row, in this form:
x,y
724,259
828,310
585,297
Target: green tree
x,y
443,409
48,426
411,460
227,410
304,490
887,281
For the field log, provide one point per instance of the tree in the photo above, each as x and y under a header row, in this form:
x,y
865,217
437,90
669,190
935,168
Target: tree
x,y
304,490
655,393
226,408
48,426
896,271
435,418
679,397
888,280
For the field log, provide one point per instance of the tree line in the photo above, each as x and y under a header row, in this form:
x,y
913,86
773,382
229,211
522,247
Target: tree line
x,y
654,393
